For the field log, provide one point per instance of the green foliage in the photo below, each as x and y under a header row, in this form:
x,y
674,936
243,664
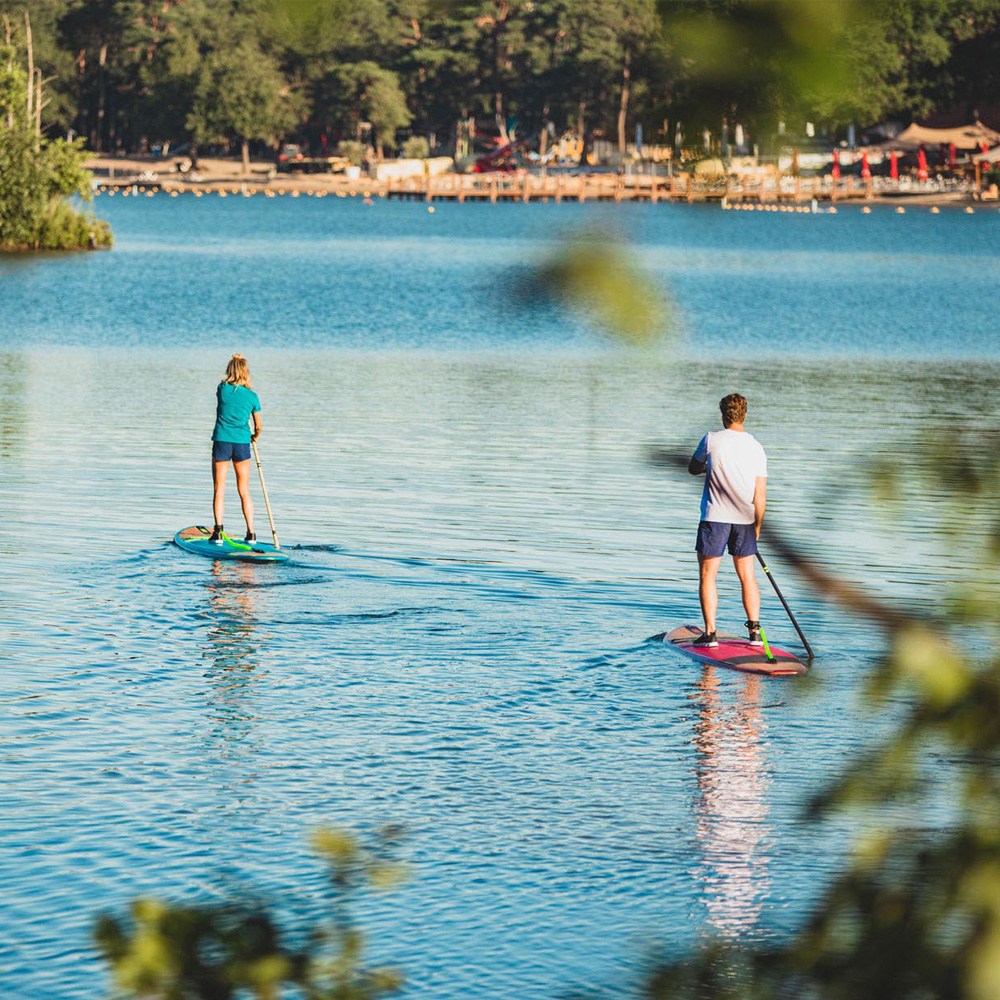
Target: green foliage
x,y
353,150
761,62
240,92
416,148
218,952
596,277
376,97
13,82
130,71
65,228
37,175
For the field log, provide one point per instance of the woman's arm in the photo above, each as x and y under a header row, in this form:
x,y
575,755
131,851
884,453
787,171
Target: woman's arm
x,y
256,427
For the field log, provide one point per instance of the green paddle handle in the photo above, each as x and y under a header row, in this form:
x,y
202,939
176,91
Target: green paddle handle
x,y
767,648
237,545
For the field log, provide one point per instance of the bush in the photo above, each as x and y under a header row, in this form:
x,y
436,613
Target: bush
x,y
416,148
37,176
353,150
64,228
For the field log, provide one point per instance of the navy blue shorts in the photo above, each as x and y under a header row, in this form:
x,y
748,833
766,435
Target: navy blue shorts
x,y
715,536
225,451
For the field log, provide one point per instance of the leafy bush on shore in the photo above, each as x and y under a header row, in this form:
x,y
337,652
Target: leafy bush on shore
x,y
38,175
65,228
416,148
353,150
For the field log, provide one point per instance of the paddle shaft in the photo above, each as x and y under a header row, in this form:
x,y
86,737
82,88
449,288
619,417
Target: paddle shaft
x,y
267,503
784,604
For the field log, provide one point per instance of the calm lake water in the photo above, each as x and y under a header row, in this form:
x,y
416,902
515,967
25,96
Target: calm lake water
x,y
480,549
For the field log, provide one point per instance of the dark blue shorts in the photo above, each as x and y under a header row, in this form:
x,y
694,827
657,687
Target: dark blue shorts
x,y
715,536
225,451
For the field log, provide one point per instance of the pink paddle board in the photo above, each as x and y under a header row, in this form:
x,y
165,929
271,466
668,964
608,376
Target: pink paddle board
x,y
734,653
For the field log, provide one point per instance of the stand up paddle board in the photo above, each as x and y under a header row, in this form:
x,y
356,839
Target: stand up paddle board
x,y
734,653
195,539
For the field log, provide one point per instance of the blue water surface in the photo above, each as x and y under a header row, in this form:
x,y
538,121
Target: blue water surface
x,y
480,549
332,272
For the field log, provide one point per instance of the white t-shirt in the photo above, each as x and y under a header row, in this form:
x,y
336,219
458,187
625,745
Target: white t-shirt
x,y
735,460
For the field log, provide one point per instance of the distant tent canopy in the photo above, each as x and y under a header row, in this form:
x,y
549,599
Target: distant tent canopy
x,y
968,137
993,156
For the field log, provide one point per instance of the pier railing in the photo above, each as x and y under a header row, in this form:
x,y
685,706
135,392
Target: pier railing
x,y
608,187
762,188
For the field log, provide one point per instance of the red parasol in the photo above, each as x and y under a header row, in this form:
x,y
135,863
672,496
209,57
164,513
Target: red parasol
x,y
921,164
894,165
951,155
835,169
983,148
866,171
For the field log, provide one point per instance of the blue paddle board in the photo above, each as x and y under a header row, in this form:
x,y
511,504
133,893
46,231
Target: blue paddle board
x,y
195,539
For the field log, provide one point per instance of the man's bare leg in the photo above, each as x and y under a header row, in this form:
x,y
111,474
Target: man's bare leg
x,y
707,590
748,582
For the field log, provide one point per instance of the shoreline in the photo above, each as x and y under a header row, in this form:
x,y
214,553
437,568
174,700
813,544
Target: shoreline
x,y
224,177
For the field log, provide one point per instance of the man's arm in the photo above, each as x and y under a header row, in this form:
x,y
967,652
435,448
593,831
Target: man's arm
x,y
759,503
699,460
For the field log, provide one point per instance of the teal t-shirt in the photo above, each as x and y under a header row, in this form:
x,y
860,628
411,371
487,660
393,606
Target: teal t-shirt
x,y
232,415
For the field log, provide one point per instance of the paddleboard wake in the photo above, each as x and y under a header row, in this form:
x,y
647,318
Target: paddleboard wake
x,y
733,652
195,539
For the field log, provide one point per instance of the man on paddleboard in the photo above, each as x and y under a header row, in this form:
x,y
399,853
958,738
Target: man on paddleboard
x,y
732,509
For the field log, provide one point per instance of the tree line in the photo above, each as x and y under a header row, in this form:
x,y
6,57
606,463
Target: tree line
x,y
129,74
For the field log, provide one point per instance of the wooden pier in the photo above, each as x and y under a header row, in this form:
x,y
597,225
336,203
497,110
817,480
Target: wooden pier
x,y
611,188
762,190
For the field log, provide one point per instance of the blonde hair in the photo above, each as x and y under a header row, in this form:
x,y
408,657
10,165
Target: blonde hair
x,y
238,371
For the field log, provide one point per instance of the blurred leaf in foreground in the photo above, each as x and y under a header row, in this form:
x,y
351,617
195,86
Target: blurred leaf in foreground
x,y
598,278
168,951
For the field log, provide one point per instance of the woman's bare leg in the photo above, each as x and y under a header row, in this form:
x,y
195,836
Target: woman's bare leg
x,y
219,471
243,485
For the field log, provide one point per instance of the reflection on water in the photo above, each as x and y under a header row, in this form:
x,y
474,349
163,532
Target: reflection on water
x,y
13,432
233,662
731,821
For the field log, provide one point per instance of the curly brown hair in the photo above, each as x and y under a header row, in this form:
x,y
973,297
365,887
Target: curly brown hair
x,y
733,408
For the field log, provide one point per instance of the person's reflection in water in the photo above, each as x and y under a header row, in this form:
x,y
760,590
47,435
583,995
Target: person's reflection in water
x,y
234,663
732,808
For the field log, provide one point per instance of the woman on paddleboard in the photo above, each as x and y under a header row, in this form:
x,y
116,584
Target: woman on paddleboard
x,y
236,403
